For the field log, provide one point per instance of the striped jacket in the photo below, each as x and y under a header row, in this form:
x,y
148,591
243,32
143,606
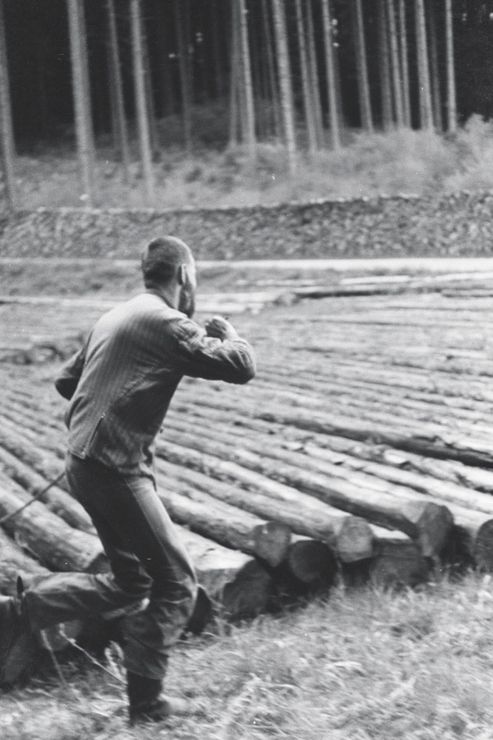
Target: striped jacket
x,y
122,381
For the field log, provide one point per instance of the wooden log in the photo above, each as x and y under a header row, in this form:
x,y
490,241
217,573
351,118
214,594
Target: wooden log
x,y
472,511
312,562
36,418
14,562
221,522
437,444
51,540
56,499
31,446
238,584
448,492
398,561
473,535
425,521
340,394
349,536
444,470
420,436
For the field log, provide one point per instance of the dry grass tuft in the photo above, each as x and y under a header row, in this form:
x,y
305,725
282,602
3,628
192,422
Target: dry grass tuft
x,y
364,664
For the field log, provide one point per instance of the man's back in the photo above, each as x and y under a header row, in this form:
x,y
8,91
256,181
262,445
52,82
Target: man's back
x,y
127,373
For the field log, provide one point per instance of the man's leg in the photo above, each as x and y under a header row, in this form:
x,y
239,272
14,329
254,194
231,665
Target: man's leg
x,y
147,559
62,597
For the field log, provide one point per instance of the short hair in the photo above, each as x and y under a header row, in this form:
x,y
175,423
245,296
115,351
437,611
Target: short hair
x,y
161,258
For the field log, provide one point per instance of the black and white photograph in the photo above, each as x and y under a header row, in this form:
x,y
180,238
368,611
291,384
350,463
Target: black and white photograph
x,y
246,406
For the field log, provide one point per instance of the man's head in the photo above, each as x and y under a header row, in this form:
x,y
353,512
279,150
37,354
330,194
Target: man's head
x,y
168,266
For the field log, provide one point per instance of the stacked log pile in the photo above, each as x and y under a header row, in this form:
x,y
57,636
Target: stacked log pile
x,y
362,450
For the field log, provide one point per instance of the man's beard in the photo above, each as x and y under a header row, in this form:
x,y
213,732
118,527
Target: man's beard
x,y
186,303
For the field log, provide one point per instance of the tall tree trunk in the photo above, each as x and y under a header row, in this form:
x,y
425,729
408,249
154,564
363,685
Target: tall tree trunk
x,y
234,80
6,133
332,93
451,91
184,69
140,100
216,51
166,86
88,109
271,70
305,81
395,64
384,67
435,70
362,65
151,108
82,103
284,67
117,91
314,76
247,83
425,106
404,53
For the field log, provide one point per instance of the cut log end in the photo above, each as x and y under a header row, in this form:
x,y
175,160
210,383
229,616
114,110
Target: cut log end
x,y
272,540
433,525
312,563
397,565
248,594
354,540
483,547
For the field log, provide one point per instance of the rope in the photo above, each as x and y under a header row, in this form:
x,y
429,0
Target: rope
x,y
36,497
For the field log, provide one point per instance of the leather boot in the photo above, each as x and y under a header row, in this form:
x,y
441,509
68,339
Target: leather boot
x,y
18,646
147,704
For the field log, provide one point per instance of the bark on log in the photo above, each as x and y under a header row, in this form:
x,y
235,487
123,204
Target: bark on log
x,y
419,435
448,492
56,499
51,540
349,536
221,522
441,445
472,536
15,562
424,521
238,584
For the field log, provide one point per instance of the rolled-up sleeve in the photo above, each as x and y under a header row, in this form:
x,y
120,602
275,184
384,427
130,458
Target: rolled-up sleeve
x,y
201,356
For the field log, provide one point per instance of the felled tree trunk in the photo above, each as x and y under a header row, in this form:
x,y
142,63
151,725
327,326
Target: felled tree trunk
x,y
398,560
238,584
222,522
56,500
350,537
427,522
51,540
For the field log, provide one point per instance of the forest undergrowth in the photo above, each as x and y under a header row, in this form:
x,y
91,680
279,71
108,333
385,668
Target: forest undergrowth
x,y
398,162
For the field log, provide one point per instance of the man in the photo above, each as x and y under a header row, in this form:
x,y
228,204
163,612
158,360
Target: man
x,y
120,386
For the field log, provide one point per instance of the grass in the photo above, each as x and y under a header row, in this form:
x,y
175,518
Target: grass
x,y
361,664
405,161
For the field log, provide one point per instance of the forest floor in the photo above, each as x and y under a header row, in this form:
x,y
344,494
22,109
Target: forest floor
x,y
397,162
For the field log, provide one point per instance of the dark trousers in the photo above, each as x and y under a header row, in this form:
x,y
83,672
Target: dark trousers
x,y
148,562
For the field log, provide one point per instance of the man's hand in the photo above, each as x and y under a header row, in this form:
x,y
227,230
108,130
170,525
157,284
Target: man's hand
x,y
220,328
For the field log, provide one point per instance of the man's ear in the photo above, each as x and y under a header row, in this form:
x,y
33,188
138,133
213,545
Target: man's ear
x,y
182,274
